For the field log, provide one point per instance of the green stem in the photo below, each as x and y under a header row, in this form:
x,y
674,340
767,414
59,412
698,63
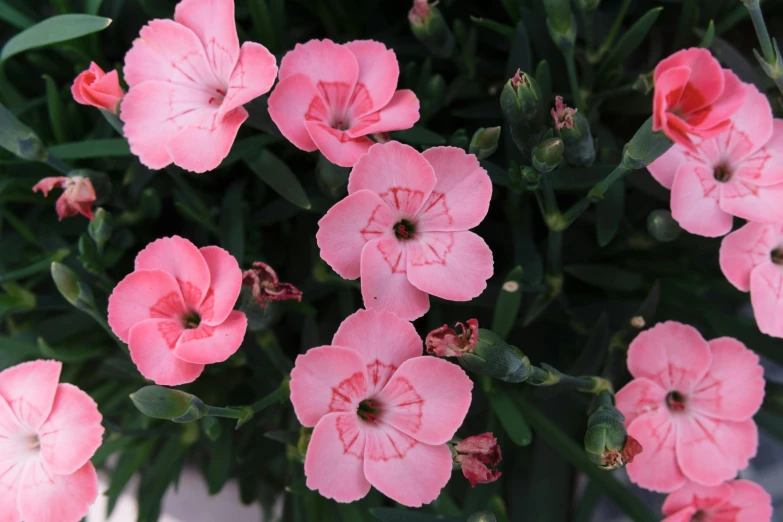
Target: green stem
x,y
105,325
607,45
617,91
597,192
273,398
754,9
227,413
572,79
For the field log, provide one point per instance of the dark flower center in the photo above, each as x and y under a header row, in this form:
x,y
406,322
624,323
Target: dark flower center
x,y
722,173
698,516
191,321
675,401
404,229
368,410
777,256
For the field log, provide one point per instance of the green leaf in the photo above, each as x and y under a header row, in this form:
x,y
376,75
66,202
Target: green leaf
x,y
19,139
350,513
232,222
707,36
606,276
417,135
92,6
16,299
501,29
609,213
112,147
56,29
520,55
578,178
128,464
510,417
43,265
274,172
630,41
543,76
14,17
55,109
263,25
71,354
508,302
399,515
575,454
219,468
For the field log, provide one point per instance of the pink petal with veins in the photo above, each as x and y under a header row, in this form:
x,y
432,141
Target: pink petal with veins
x,y
745,249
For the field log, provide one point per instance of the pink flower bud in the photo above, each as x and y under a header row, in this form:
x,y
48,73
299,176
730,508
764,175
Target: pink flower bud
x,y
96,88
420,11
446,342
263,282
479,455
77,198
563,114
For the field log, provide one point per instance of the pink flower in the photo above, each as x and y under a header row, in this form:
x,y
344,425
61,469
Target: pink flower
x,y
175,310
48,433
263,282
404,228
95,87
77,198
735,501
446,342
752,260
331,97
479,455
188,80
733,174
694,96
382,413
420,11
690,406
562,113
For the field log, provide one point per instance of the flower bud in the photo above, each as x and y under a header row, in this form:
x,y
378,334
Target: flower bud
x,y
662,226
531,177
430,28
645,147
485,142
165,403
547,155
19,139
100,228
494,357
72,288
520,102
483,516
561,24
446,342
607,442
478,456
573,127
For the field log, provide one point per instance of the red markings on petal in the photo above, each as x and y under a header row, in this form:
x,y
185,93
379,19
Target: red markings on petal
x,y
349,435
168,306
388,444
345,394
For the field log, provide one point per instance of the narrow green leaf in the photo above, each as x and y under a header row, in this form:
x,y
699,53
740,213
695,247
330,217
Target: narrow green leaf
x,y
71,354
350,512
219,468
508,303
113,147
630,41
510,417
44,265
55,109
399,515
543,76
501,29
707,36
609,213
56,29
274,172
232,221
14,17
128,464
93,6
520,56
263,25
606,276
417,135
689,14
575,454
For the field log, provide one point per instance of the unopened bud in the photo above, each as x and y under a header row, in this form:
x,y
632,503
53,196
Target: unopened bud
x,y
573,127
169,404
485,142
561,23
492,356
19,139
430,28
483,516
547,155
72,288
531,177
607,442
523,110
662,226
100,228
645,147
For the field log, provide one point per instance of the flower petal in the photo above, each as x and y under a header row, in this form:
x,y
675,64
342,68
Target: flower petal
x,y
695,202
460,199
213,22
337,145
685,515
449,265
710,451
206,141
14,454
384,341
327,379
152,344
405,470
398,173
212,344
29,389
665,167
638,397
321,61
72,433
334,464
672,354
656,467
289,104
752,202
753,502
385,284
400,113
733,387
712,118
763,167
427,398
697,496
751,125
144,294
254,75
10,478
745,249
379,72
705,82
180,258
348,226
225,278
47,497
766,296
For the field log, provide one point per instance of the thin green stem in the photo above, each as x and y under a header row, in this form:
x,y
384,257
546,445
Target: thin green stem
x,y
273,398
554,252
573,80
754,9
227,413
57,164
607,45
597,192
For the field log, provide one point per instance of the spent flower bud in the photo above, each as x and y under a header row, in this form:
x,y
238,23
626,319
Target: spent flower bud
x,y
573,127
662,226
607,442
431,29
547,155
169,404
265,285
478,456
493,357
485,142
446,342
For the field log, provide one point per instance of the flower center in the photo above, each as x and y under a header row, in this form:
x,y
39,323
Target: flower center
x,y
722,173
404,229
777,256
33,442
368,410
699,516
191,321
675,401
217,100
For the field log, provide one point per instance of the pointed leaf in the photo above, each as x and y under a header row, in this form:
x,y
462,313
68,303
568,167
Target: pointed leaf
x,y
508,302
630,41
510,417
13,17
275,173
56,29
609,213
113,147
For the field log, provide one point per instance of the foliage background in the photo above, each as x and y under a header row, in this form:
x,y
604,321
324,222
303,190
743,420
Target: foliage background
x,y
264,201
